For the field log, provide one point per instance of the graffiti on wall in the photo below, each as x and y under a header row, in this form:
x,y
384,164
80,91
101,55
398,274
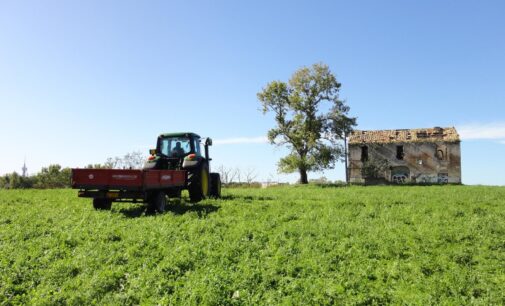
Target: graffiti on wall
x,y
400,174
443,178
440,178
426,178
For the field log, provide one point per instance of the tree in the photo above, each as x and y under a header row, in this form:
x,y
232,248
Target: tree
x,y
237,173
53,177
16,181
342,126
10,181
133,160
250,175
374,168
225,174
95,166
311,135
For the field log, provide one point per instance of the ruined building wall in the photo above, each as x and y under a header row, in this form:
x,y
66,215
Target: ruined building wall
x,y
429,162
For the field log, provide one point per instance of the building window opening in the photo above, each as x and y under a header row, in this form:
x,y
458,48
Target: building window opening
x,y
364,153
399,152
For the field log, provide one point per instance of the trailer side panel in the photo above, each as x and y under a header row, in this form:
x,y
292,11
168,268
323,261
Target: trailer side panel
x,y
161,179
107,179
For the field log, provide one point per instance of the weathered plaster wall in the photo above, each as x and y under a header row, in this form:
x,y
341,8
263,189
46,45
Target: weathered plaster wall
x,y
422,162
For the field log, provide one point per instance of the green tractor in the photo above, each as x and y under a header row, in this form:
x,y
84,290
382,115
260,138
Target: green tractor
x,y
182,151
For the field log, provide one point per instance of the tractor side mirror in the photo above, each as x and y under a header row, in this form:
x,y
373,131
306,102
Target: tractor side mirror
x,y
208,141
152,151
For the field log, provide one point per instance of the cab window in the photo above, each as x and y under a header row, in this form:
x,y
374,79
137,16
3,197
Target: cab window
x,y
175,146
197,147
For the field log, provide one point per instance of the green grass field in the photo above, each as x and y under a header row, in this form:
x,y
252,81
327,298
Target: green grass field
x,y
285,245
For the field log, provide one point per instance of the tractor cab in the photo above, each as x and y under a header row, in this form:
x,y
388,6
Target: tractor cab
x,y
182,151
176,151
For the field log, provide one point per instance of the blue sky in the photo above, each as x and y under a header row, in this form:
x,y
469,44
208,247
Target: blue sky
x,y
81,81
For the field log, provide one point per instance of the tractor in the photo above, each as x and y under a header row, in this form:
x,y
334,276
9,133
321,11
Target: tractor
x,y
177,163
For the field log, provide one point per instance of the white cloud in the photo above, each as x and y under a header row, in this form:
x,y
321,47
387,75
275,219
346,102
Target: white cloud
x,y
495,131
241,140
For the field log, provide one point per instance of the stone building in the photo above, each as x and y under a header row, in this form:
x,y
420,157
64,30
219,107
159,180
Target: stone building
x,y
431,155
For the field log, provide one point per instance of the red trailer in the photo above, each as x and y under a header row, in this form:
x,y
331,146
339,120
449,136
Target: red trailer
x,y
112,185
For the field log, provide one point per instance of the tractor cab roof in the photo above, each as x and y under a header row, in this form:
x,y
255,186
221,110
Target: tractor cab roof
x,y
180,134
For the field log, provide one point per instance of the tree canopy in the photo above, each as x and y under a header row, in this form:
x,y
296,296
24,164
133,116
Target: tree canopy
x,y
310,119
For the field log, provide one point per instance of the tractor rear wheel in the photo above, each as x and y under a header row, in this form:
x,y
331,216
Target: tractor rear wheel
x,y
102,204
198,183
215,185
158,202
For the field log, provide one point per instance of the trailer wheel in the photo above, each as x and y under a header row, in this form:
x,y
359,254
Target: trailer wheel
x,y
198,183
215,185
158,202
102,204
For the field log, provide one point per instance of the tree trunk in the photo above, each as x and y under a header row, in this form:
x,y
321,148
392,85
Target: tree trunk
x,y
303,176
346,160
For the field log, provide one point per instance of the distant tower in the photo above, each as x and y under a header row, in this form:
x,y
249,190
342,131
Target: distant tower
x,y
24,168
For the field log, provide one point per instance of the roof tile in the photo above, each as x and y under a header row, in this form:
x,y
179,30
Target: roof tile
x,y
436,134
